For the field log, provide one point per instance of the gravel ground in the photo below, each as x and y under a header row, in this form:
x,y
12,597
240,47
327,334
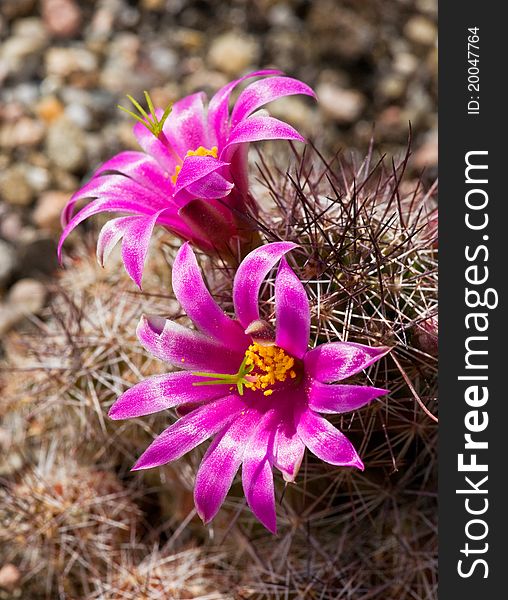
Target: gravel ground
x,y
65,65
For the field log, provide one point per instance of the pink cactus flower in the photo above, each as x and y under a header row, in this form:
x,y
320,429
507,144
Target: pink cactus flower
x,y
256,390
191,176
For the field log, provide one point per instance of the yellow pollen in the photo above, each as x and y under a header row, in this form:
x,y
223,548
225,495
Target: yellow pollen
x,y
271,365
201,151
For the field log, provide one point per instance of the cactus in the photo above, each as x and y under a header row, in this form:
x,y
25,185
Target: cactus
x,y
65,521
368,251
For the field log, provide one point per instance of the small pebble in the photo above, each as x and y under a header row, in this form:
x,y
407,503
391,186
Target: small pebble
x,y
153,4
26,297
48,209
342,105
392,87
62,17
10,576
65,146
79,114
20,54
25,132
10,226
233,53
421,30
14,187
38,177
63,62
49,109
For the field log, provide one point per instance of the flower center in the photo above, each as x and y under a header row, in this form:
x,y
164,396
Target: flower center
x,y
262,368
270,364
201,151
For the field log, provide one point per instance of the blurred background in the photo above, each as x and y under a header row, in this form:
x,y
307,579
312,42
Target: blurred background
x,y
65,65
74,523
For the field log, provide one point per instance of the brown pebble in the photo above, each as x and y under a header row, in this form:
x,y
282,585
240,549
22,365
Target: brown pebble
x,y
340,104
48,208
14,187
9,576
62,17
49,109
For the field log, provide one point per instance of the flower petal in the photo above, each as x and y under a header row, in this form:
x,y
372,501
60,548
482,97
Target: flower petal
x,y
158,148
257,475
141,168
292,312
211,187
189,431
110,235
255,129
337,360
135,243
325,441
161,392
185,348
239,171
102,205
327,398
288,449
250,275
195,168
261,92
185,128
218,107
191,292
220,464
116,187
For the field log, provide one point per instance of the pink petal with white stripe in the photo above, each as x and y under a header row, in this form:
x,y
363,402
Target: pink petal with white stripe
x,y
256,129
221,463
250,276
328,398
140,167
110,234
292,312
288,449
338,360
257,475
211,187
195,168
185,128
325,441
117,188
218,107
191,292
186,349
135,243
162,392
259,93
159,148
190,431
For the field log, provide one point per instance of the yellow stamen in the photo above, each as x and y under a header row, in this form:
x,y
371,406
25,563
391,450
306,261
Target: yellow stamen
x,y
271,364
201,151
